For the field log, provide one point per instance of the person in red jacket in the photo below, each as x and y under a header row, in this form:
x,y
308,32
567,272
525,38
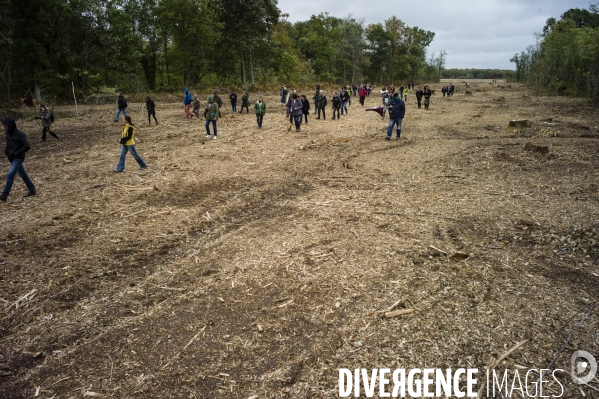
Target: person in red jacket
x,y
362,93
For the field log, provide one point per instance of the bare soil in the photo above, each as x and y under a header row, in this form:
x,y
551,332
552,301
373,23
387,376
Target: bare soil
x,y
259,264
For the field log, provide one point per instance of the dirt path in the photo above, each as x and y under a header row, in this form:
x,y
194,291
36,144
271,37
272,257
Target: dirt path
x,y
256,264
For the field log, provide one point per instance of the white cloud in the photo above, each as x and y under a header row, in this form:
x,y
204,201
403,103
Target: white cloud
x,y
475,33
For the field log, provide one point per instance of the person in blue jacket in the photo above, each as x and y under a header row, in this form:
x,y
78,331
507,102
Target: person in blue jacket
x,y
397,111
187,103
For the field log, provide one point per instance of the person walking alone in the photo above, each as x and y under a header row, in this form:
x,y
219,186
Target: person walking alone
x,y
122,107
151,108
396,114
128,145
260,110
211,114
16,147
47,119
187,103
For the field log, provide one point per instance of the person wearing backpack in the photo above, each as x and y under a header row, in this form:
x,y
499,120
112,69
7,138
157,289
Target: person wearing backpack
x,y
128,145
47,120
16,147
211,114
260,110
122,104
151,107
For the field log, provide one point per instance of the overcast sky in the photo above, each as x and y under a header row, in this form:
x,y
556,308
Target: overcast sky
x,y
475,33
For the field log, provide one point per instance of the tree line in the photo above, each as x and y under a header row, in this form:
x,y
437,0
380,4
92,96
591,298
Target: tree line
x,y
565,59
57,47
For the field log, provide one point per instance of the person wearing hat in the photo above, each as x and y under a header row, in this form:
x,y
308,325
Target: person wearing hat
x,y
427,93
211,114
16,147
260,110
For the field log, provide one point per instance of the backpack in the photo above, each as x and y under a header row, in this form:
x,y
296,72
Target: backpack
x,y
52,118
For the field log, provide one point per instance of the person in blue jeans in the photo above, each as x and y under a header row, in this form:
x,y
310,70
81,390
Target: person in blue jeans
x,y
397,111
16,147
122,104
128,145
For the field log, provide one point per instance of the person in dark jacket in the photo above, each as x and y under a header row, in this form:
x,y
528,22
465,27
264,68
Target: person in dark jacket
x,y
344,99
122,104
316,94
47,119
245,102
16,147
397,111
260,111
297,110
283,94
321,103
419,95
196,105
151,107
233,98
305,107
219,102
336,101
427,96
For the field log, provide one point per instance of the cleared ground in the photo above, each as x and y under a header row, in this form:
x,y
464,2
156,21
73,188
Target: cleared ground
x,y
258,264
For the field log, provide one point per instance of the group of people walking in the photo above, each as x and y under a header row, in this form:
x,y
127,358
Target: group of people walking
x,y
448,90
297,106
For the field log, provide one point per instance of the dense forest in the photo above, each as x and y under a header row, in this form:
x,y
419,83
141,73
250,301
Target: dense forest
x,y
565,59
52,48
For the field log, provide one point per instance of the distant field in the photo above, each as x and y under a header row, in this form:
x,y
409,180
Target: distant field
x,y
471,80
